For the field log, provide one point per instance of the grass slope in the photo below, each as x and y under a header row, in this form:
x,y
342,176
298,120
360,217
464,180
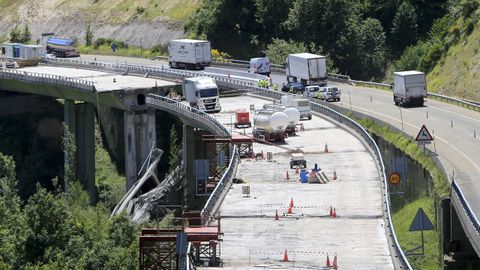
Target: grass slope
x,y
409,240
457,73
108,11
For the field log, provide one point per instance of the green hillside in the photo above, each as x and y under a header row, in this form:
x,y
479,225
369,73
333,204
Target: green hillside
x,y
457,73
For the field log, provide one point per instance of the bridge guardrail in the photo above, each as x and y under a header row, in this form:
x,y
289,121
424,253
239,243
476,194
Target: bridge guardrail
x,y
474,228
209,209
353,124
46,79
456,101
211,206
155,71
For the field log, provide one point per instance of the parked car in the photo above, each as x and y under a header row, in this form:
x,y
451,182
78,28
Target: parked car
x,y
311,91
329,93
296,86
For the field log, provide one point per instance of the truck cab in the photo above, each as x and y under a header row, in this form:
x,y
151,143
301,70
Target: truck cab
x,y
202,93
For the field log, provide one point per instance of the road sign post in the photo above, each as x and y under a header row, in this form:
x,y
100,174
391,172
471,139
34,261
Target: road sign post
x,y
420,223
424,137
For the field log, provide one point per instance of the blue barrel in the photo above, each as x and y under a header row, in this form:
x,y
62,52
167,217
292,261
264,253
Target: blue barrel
x,y
304,176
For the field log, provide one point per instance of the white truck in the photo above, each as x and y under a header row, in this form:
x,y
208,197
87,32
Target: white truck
x,y
301,104
409,88
189,53
202,93
307,68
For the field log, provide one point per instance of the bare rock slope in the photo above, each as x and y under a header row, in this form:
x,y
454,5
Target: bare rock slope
x,y
143,22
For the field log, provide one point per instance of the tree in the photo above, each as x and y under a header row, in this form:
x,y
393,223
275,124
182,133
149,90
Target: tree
x,y
373,55
404,30
174,149
70,150
12,224
49,226
15,34
26,34
88,36
278,50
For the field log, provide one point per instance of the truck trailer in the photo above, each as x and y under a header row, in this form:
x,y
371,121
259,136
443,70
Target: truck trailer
x,y
189,54
202,93
270,125
307,68
300,103
409,88
62,47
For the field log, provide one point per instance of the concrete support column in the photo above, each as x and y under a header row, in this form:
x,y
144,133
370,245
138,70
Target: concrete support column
x,y
80,120
70,122
130,148
188,156
85,139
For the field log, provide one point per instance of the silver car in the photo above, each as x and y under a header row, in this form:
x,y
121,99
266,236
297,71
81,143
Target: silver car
x,y
329,93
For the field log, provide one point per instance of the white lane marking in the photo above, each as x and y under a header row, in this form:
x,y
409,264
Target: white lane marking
x,y
436,137
452,112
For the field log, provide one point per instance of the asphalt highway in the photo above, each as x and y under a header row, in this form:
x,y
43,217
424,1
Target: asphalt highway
x,y
452,127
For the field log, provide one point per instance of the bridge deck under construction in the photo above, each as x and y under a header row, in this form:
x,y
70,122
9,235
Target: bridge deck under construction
x,y
252,236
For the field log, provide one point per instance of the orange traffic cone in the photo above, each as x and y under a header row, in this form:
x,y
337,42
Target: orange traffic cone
x,y
276,214
291,203
334,264
285,256
326,148
331,211
289,210
334,213
334,175
328,261
287,176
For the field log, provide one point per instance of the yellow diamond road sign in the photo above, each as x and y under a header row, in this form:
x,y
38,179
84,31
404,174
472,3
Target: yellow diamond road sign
x,y
424,135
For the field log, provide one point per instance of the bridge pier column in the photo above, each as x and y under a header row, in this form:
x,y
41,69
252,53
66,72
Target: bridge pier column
x,y
130,149
188,157
80,120
140,136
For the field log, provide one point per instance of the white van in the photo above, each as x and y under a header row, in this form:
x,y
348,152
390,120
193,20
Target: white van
x,y
311,91
259,65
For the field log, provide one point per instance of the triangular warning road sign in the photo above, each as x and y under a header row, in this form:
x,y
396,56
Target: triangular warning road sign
x,y
421,222
424,135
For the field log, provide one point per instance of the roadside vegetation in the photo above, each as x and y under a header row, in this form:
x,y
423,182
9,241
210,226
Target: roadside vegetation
x,y
404,217
54,230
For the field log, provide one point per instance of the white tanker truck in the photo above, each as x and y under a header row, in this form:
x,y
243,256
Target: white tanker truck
x,y
270,125
292,113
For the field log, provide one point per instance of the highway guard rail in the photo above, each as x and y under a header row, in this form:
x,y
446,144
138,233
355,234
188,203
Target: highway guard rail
x,y
32,77
216,197
213,203
465,213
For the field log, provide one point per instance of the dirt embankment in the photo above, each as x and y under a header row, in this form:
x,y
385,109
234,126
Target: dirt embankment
x,y
51,16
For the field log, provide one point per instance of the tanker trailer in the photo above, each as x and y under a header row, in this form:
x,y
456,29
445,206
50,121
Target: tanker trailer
x,y
270,125
292,113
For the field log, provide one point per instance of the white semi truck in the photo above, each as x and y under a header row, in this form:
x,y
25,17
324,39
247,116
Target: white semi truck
x,y
409,88
202,93
307,68
301,104
189,53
